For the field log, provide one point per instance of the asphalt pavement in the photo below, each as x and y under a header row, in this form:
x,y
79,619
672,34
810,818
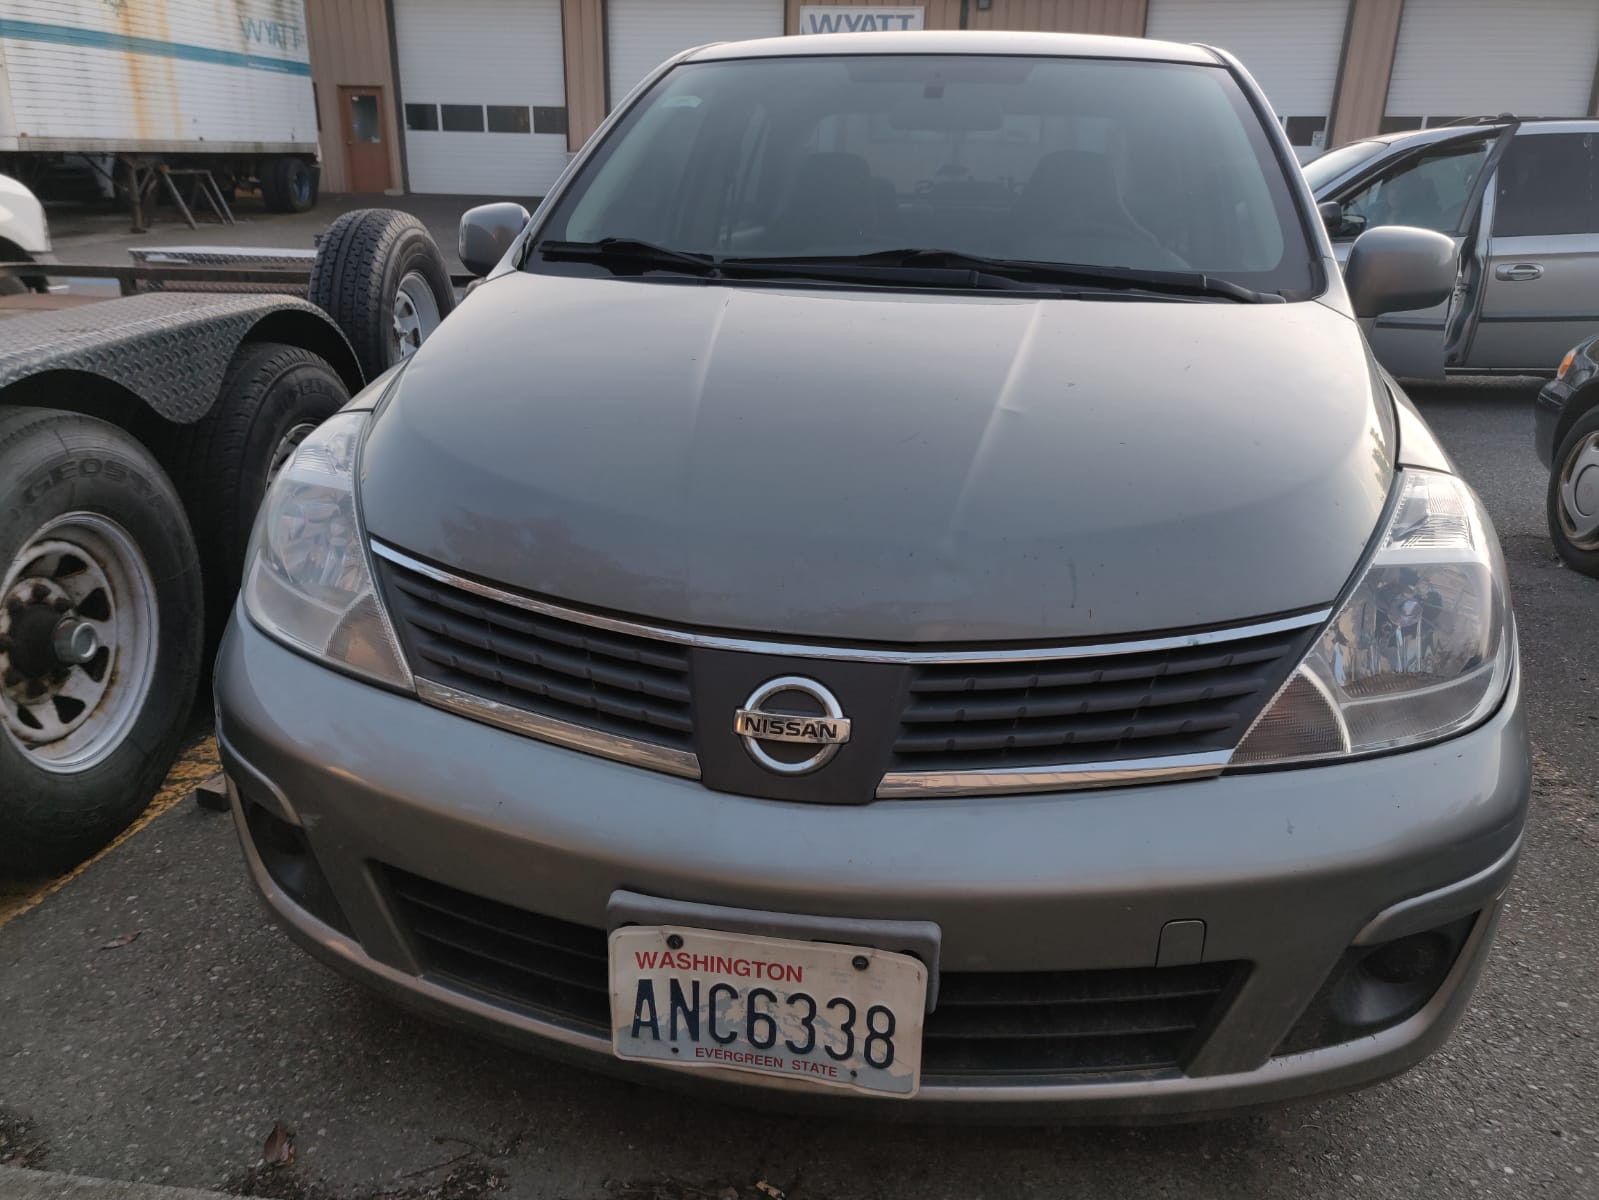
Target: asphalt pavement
x,y
154,1026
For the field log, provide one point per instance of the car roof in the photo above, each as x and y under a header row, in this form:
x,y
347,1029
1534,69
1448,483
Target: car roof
x,y
1455,129
951,41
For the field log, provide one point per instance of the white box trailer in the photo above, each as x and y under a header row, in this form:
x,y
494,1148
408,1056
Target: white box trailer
x,y
137,85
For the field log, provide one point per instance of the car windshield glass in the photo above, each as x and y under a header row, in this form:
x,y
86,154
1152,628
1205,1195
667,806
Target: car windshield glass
x,y
1319,172
1143,166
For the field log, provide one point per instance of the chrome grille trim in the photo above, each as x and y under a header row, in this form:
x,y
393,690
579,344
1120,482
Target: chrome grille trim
x,y
851,653
560,733
916,785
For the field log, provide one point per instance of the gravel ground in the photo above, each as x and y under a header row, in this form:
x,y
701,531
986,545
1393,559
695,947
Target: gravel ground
x,y
169,1057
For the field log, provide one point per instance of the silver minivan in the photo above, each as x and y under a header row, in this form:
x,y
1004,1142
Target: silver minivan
x,y
1521,201
903,588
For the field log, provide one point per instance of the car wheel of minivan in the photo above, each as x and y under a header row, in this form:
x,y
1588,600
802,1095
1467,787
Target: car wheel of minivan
x,y
1574,495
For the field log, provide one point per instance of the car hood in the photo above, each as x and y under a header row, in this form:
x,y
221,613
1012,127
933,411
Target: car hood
x,y
906,467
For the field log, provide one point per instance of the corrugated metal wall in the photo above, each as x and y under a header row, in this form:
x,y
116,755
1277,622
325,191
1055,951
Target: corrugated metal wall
x,y
1122,17
350,48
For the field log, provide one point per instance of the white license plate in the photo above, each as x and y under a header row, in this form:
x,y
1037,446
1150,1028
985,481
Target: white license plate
x,y
800,1010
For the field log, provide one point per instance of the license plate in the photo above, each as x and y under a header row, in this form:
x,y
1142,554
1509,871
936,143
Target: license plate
x,y
831,1015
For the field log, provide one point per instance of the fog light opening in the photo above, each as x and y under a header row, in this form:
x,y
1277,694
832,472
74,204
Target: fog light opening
x,y
1376,987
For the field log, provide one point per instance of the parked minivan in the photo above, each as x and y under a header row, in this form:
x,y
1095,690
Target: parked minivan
x,y
904,586
1521,201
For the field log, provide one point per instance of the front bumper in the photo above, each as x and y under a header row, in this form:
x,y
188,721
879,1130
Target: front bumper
x,y
1546,413
1286,870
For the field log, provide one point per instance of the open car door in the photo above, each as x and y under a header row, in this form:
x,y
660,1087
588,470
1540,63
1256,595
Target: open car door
x,y
1438,186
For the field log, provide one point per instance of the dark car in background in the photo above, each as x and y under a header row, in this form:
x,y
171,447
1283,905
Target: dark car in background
x,y
1567,435
1521,200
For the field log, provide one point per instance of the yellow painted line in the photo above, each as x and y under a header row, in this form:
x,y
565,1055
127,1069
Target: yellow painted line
x,y
196,763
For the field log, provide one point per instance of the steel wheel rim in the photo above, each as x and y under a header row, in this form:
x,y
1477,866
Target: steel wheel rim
x,y
79,569
1579,494
287,445
416,314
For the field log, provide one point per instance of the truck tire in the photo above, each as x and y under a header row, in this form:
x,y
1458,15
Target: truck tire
x,y
100,607
272,396
379,275
289,185
1573,497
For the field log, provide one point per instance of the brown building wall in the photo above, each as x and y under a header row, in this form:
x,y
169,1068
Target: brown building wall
x,y
1370,39
349,44
1121,17
583,27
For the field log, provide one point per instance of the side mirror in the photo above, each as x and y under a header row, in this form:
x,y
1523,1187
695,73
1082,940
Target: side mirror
x,y
487,232
1332,215
1396,267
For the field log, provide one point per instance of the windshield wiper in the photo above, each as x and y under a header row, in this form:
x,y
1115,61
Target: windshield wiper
x,y
1173,283
619,252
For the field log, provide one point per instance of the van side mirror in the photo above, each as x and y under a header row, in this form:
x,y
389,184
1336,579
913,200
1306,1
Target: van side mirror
x,y
487,232
1394,268
1332,215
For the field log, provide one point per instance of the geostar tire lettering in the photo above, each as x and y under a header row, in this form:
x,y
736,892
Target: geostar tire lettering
x,y
359,264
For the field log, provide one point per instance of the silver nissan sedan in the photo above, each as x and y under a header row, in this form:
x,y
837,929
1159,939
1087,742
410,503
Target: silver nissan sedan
x,y
903,589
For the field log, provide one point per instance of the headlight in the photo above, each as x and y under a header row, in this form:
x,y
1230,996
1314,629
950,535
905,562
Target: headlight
x,y
306,577
1421,649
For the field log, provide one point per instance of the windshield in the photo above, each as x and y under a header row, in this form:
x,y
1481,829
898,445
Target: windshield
x,y
1321,171
1096,162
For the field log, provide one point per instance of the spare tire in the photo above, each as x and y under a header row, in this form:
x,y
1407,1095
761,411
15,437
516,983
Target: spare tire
x,y
289,185
379,274
272,397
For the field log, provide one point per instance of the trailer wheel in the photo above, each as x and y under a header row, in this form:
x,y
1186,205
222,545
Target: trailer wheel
x,y
100,607
289,185
379,274
272,396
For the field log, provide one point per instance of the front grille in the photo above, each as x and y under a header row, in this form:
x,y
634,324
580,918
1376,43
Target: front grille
x,y
1182,700
618,683
1007,1025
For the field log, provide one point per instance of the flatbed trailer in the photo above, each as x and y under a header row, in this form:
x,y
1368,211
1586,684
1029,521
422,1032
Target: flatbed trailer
x,y
138,435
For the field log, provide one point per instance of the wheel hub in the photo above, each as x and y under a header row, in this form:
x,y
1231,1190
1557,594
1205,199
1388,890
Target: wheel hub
x,y
77,641
56,669
1579,494
416,314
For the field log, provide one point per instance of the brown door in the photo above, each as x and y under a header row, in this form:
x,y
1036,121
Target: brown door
x,y
366,155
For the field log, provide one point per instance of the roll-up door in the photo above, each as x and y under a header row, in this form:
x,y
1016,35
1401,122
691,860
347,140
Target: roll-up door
x,y
641,34
1462,58
1291,47
484,93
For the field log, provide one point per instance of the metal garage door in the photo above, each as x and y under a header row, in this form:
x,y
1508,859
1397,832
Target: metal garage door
x,y
1459,58
484,94
1291,47
641,34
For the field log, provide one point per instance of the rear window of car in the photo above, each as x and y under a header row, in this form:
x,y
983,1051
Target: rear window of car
x,y
1548,184
1101,162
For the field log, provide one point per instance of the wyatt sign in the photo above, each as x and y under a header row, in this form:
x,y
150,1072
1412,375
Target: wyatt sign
x,y
865,18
